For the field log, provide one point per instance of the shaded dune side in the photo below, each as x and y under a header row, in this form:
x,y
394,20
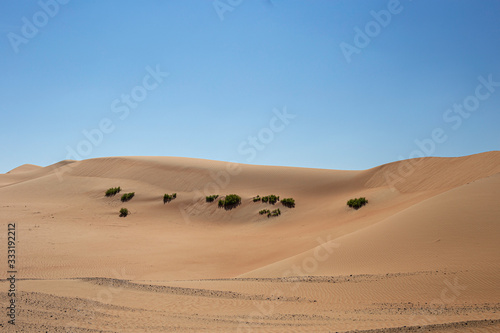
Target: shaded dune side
x,y
189,174
443,232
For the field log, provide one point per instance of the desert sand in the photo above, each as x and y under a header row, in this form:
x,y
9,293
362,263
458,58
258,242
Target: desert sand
x,y
422,255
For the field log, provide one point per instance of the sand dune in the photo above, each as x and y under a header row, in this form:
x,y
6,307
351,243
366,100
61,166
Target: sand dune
x,y
24,168
435,172
422,253
428,235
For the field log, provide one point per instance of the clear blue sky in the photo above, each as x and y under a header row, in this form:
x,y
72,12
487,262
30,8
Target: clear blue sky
x,y
226,76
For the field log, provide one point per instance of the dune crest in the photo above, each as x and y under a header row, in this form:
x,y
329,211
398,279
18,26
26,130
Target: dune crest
x,y
434,173
24,168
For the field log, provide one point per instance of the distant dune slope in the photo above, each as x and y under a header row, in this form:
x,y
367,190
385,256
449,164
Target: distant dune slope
x,y
433,173
24,168
452,230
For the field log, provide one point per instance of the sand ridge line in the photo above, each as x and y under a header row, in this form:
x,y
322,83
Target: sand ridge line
x,y
27,327
308,278
50,301
116,283
433,327
76,310
429,308
74,307
327,278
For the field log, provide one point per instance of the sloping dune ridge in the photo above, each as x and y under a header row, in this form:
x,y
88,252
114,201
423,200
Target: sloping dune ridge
x,y
422,255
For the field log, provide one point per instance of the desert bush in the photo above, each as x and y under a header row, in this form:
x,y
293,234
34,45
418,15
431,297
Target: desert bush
x,y
124,212
112,191
169,197
211,198
357,203
288,202
269,213
257,198
272,199
127,196
275,212
230,200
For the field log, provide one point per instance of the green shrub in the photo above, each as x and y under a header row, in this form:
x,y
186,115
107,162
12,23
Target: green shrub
x,y
127,196
169,197
211,198
275,212
269,213
230,201
124,212
257,198
357,203
288,202
272,199
112,191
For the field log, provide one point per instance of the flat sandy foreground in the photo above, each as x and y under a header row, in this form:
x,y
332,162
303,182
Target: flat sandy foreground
x,y
422,255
